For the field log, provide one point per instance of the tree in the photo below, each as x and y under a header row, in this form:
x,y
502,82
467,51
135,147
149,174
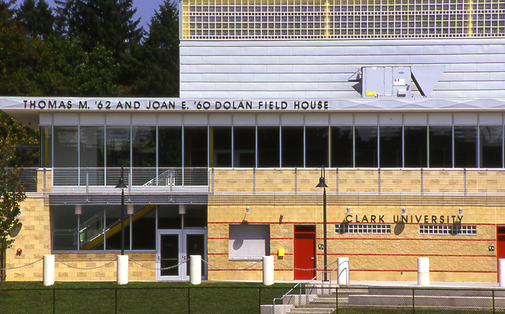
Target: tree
x,y
37,18
160,74
6,5
12,193
104,24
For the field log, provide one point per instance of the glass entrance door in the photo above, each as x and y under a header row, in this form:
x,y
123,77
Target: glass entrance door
x,y
174,247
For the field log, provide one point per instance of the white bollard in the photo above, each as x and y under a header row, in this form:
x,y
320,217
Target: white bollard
x,y
501,272
423,271
48,270
122,269
343,270
268,270
195,270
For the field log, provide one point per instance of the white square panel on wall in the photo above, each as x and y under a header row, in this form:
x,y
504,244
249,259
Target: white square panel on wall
x,y
442,118
316,119
268,119
144,119
343,119
92,119
365,119
415,118
169,119
118,118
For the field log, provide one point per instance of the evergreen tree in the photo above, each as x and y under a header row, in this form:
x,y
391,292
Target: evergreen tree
x,y
106,23
37,18
160,53
5,6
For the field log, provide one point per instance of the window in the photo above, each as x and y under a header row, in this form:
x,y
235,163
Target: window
x,y
220,146
249,242
390,146
316,143
416,146
244,147
440,147
366,146
455,229
363,228
465,146
341,146
195,147
491,153
292,146
268,147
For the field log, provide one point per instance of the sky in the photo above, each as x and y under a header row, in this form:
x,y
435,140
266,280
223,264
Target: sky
x,y
145,10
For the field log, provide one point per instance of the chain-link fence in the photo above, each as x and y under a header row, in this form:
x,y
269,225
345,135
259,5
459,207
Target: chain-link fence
x,y
176,297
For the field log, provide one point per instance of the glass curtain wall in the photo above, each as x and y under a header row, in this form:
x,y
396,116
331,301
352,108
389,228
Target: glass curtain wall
x,y
156,153
98,227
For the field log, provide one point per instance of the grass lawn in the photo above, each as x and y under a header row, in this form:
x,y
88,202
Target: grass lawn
x,y
137,297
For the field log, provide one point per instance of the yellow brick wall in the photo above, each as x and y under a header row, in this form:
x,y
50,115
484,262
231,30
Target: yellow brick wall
x,y
34,240
372,257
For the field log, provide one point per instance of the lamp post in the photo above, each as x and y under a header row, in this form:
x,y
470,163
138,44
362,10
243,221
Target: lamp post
x,y
323,185
122,186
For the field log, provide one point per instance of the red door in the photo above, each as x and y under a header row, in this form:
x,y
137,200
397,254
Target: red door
x,y
500,246
305,252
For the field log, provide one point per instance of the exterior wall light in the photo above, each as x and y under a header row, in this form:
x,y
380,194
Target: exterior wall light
x,y
403,212
348,212
247,212
130,209
78,209
460,214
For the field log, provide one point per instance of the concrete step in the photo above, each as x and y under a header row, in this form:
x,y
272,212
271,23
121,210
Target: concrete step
x,y
477,302
435,292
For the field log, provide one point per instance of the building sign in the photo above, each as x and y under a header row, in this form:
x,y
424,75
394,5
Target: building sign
x,y
440,219
135,104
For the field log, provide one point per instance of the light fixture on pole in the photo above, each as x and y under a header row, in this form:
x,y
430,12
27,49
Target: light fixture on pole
x,y
323,185
122,187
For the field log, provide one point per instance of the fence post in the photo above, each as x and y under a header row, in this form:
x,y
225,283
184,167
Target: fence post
x,y
343,270
268,270
501,271
195,270
336,298
122,269
48,270
413,301
423,271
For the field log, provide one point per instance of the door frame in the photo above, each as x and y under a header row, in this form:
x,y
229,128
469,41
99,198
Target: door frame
x,y
182,254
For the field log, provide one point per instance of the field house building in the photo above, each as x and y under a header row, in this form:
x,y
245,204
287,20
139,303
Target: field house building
x,y
401,102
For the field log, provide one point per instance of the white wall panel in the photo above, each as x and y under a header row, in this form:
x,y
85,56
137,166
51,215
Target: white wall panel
x,y
66,119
